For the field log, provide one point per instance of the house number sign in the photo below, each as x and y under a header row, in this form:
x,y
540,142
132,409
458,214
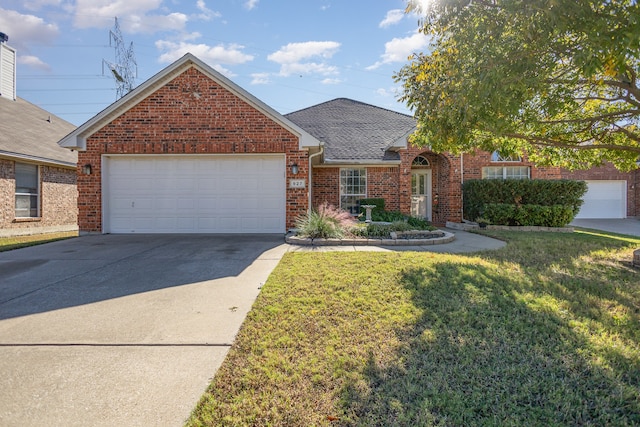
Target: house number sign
x,y
296,183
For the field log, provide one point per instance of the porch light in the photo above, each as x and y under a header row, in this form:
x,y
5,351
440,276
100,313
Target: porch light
x,y
86,169
294,169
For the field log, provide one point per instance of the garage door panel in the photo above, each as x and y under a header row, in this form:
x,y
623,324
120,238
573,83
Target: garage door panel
x,y
604,199
210,194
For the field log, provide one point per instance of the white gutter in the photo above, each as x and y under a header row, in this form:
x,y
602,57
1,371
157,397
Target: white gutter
x,y
461,185
311,173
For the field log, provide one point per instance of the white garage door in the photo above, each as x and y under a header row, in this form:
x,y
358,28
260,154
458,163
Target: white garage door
x,y
194,194
604,199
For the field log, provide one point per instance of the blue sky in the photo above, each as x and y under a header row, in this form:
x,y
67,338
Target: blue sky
x,y
289,54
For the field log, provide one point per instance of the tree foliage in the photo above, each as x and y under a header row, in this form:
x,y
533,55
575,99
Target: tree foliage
x,y
555,79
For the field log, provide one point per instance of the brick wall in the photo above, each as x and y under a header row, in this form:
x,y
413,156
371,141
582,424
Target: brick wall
x,y
326,186
609,172
191,114
394,185
473,164
383,182
58,197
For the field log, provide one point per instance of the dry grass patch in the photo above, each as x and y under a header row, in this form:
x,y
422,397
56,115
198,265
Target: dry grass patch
x,y
10,243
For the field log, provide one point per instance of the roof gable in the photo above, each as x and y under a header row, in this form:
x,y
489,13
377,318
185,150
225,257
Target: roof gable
x,y
78,138
355,132
28,132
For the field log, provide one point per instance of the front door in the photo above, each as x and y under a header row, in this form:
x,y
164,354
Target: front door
x,y
421,193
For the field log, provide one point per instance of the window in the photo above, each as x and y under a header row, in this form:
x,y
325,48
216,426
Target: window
x,y
353,187
497,157
420,161
505,172
26,190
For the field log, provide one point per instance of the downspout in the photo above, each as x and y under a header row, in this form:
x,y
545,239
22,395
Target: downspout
x,y
461,187
310,172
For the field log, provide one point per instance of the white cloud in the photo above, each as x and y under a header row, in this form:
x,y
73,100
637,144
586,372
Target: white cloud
x,y
212,55
38,4
294,56
331,81
33,62
399,49
295,52
153,23
24,30
250,4
300,68
260,79
206,13
133,16
389,92
393,17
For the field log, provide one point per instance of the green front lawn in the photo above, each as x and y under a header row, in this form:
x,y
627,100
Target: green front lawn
x,y
543,332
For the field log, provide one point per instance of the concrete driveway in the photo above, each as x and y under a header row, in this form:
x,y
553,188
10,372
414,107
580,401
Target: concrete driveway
x,y
123,330
629,226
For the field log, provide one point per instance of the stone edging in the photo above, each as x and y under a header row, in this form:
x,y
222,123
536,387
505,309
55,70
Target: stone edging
x,y
302,241
473,226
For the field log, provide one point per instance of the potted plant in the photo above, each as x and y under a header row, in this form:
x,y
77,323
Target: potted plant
x,y
482,222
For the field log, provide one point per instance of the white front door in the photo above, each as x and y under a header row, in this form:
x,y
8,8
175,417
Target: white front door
x,y
421,193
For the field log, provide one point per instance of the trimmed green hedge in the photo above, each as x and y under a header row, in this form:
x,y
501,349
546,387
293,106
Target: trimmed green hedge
x,y
528,215
523,202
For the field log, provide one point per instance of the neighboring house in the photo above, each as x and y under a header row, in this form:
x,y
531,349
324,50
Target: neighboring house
x,y
189,151
37,177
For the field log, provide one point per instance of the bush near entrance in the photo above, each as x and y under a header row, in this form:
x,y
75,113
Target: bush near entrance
x,y
535,202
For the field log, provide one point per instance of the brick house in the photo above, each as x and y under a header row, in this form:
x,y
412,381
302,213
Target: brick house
x,y
37,177
368,145
189,151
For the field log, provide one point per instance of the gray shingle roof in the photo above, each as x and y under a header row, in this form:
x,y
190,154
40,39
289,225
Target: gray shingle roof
x,y
353,131
26,132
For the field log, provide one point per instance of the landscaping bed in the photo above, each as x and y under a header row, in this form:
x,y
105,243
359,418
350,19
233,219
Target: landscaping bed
x,y
404,238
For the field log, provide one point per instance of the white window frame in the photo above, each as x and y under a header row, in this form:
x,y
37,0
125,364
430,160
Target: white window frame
x,y
506,172
499,158
349,199
30,194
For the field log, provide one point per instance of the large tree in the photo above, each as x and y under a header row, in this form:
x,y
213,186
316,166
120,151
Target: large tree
x,y
556,79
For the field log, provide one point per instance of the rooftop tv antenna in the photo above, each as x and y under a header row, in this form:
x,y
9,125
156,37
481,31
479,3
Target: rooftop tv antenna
x,y
125,69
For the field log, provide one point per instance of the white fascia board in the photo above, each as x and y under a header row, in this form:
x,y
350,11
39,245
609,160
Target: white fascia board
x,y
36,159
360,163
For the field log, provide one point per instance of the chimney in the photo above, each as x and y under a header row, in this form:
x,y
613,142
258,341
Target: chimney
x,y
7,69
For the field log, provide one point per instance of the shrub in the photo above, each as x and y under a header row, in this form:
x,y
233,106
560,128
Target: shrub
x,y
388,216
490,198
528,215
326,222
420,223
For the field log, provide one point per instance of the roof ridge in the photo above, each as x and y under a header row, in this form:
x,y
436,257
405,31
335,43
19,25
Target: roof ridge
x,y
353,101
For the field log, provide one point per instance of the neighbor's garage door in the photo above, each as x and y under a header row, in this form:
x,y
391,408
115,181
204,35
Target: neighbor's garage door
x,y
189,194
604,199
